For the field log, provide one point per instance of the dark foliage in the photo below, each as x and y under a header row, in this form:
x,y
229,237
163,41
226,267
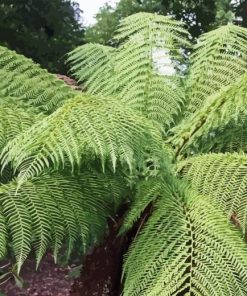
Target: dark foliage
x,y
44,30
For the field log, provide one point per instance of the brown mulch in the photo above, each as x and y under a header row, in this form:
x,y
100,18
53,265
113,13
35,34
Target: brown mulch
x,y
101,274
48,280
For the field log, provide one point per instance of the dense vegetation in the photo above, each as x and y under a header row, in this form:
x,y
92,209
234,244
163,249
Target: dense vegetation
x,y
153,128
43,30
199,16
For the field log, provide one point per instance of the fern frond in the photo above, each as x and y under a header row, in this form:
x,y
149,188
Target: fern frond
x,y
146,194
53,209
231,138
223,177
82,128
3,236
132,72
186,248
219,58
139,22
14,120
18,222
21,78
140,83
93,66
221,109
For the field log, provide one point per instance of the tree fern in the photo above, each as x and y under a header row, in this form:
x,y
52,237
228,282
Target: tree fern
x,y
186,248
69,169
22,79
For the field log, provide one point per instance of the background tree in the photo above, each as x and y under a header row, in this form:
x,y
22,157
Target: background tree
x,y
241,11
200,16
43,30
108,18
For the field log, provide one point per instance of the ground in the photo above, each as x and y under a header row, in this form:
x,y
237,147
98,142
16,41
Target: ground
x,y
48,280
100,276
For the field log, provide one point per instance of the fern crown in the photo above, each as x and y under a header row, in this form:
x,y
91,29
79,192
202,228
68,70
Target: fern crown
x,y
151,127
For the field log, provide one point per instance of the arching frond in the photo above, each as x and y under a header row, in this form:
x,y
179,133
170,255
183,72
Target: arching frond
x,y
141,79
18,224
93,66
186,248
218,60
53,209
21,78
223,177
83,128
221,109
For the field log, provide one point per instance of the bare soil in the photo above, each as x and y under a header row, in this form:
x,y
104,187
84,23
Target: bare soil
x,y
100,276
48,280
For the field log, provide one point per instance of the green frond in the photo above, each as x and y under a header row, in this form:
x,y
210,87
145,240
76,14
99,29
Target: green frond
x,y
231,138
222,177
79,131
3,236
140,22
221,109
146,194
93,66
14,120
52,209
186,248
140,77
219,58
142,70
18,224
24,80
